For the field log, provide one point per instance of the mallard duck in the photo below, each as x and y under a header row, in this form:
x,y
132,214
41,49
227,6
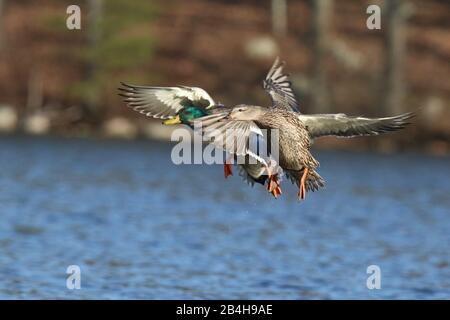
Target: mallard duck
x,y
296,131
182,105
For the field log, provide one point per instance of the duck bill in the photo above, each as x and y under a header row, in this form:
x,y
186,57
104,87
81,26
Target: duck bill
x,y
175,120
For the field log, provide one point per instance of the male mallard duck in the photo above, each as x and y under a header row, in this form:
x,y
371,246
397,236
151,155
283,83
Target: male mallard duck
x,y
296,131
182,105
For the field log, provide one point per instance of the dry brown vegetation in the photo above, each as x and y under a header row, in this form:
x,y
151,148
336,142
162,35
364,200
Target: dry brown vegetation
x,y
214,45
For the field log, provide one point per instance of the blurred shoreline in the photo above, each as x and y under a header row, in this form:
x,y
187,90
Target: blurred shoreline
x,y
121,129
64,82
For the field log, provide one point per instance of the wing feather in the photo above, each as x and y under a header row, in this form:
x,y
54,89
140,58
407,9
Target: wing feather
x,y
345,126
279,88
163,102
232,136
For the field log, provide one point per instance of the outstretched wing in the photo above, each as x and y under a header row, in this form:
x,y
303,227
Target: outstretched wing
x,y
279,88
344,126
238,137
164,102
230,135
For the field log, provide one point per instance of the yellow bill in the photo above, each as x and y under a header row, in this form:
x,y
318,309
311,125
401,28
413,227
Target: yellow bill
x,y
174,120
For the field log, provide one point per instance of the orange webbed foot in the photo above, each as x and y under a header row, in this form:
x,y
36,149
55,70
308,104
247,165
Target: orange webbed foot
x,y
227,170
276,192
273,186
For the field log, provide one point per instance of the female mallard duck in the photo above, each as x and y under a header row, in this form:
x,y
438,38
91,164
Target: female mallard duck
x,y
295,131
182,105
294,143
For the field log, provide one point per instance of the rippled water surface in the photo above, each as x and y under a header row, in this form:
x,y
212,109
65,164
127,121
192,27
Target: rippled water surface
x,y
140,227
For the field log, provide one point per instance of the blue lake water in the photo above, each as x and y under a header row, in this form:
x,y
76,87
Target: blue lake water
x,y
140,227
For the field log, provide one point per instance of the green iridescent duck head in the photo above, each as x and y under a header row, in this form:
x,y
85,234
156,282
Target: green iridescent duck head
x,y
186,115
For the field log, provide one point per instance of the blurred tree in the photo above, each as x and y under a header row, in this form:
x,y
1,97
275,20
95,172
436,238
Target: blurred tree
x,y
322,10
95,8
95,12
2,3
34,90
279,17
118,42
397,11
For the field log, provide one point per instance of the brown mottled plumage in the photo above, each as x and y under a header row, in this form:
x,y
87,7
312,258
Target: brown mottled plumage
x,y
294,147
294,141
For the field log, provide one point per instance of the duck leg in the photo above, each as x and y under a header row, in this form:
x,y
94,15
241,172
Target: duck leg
x,y
273,184
227,168
302,189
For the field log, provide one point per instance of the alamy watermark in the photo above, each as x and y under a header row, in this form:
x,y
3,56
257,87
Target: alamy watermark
x,y
73,21
374,20
73,281
251,147
374,279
